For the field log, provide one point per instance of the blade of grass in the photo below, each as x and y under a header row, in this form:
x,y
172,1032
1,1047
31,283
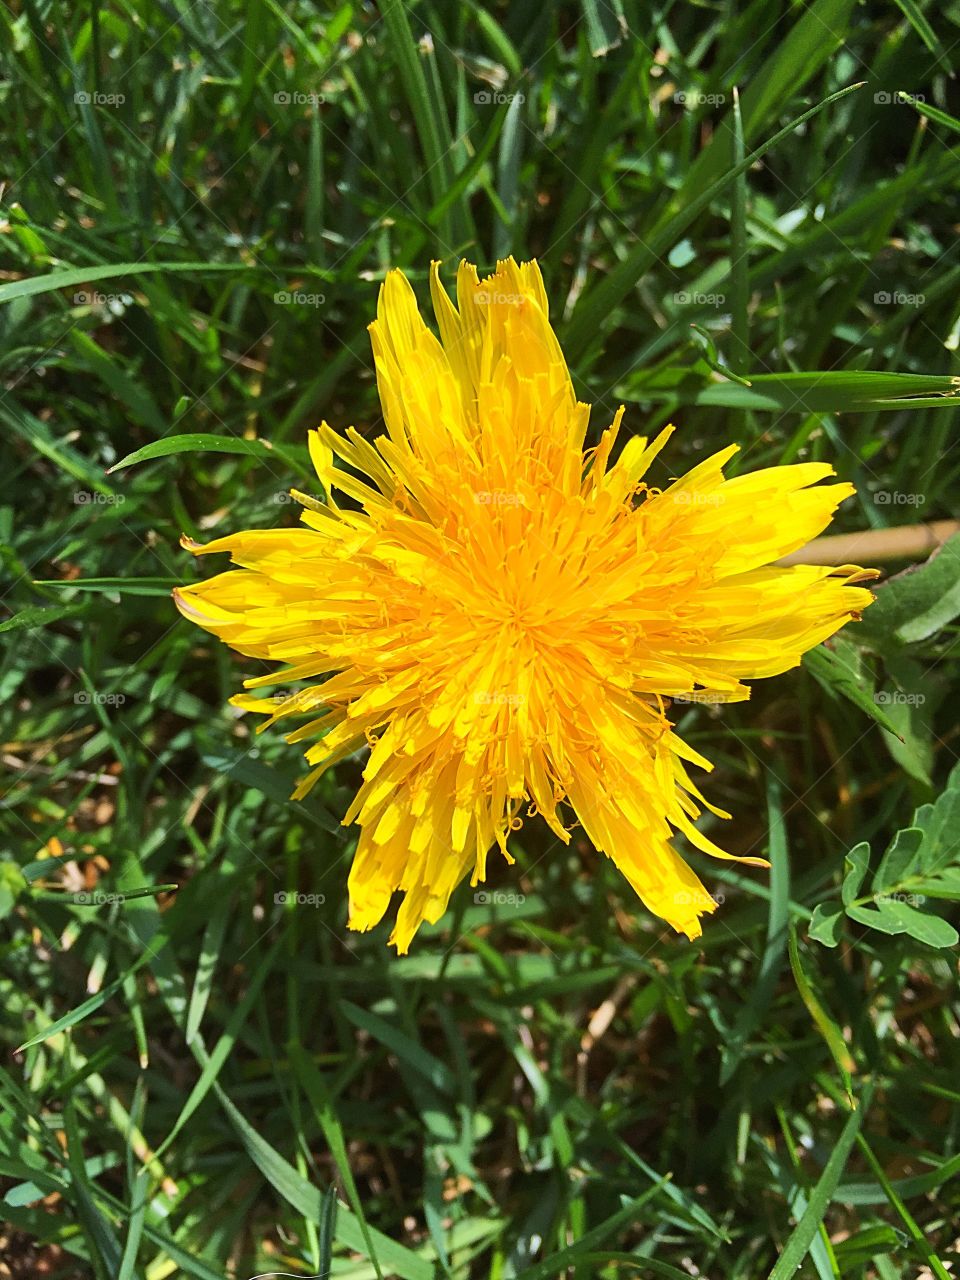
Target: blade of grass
x,y
63,279
739,262
771,963
204,442
427,111
599,303
798,1245
921,1245
314,1086
308,1199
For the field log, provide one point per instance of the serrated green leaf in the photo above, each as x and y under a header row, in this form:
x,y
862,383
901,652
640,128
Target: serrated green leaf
x,y
943,601
922,861
939,823
910,706
917,603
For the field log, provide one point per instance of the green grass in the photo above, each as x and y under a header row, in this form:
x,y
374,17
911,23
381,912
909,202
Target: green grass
x,y
217,1084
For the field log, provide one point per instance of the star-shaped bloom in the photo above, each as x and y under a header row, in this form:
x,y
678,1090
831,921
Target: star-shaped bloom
x,y
503,617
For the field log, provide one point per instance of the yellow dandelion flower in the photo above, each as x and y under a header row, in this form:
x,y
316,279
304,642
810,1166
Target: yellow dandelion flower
x,y
501,615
